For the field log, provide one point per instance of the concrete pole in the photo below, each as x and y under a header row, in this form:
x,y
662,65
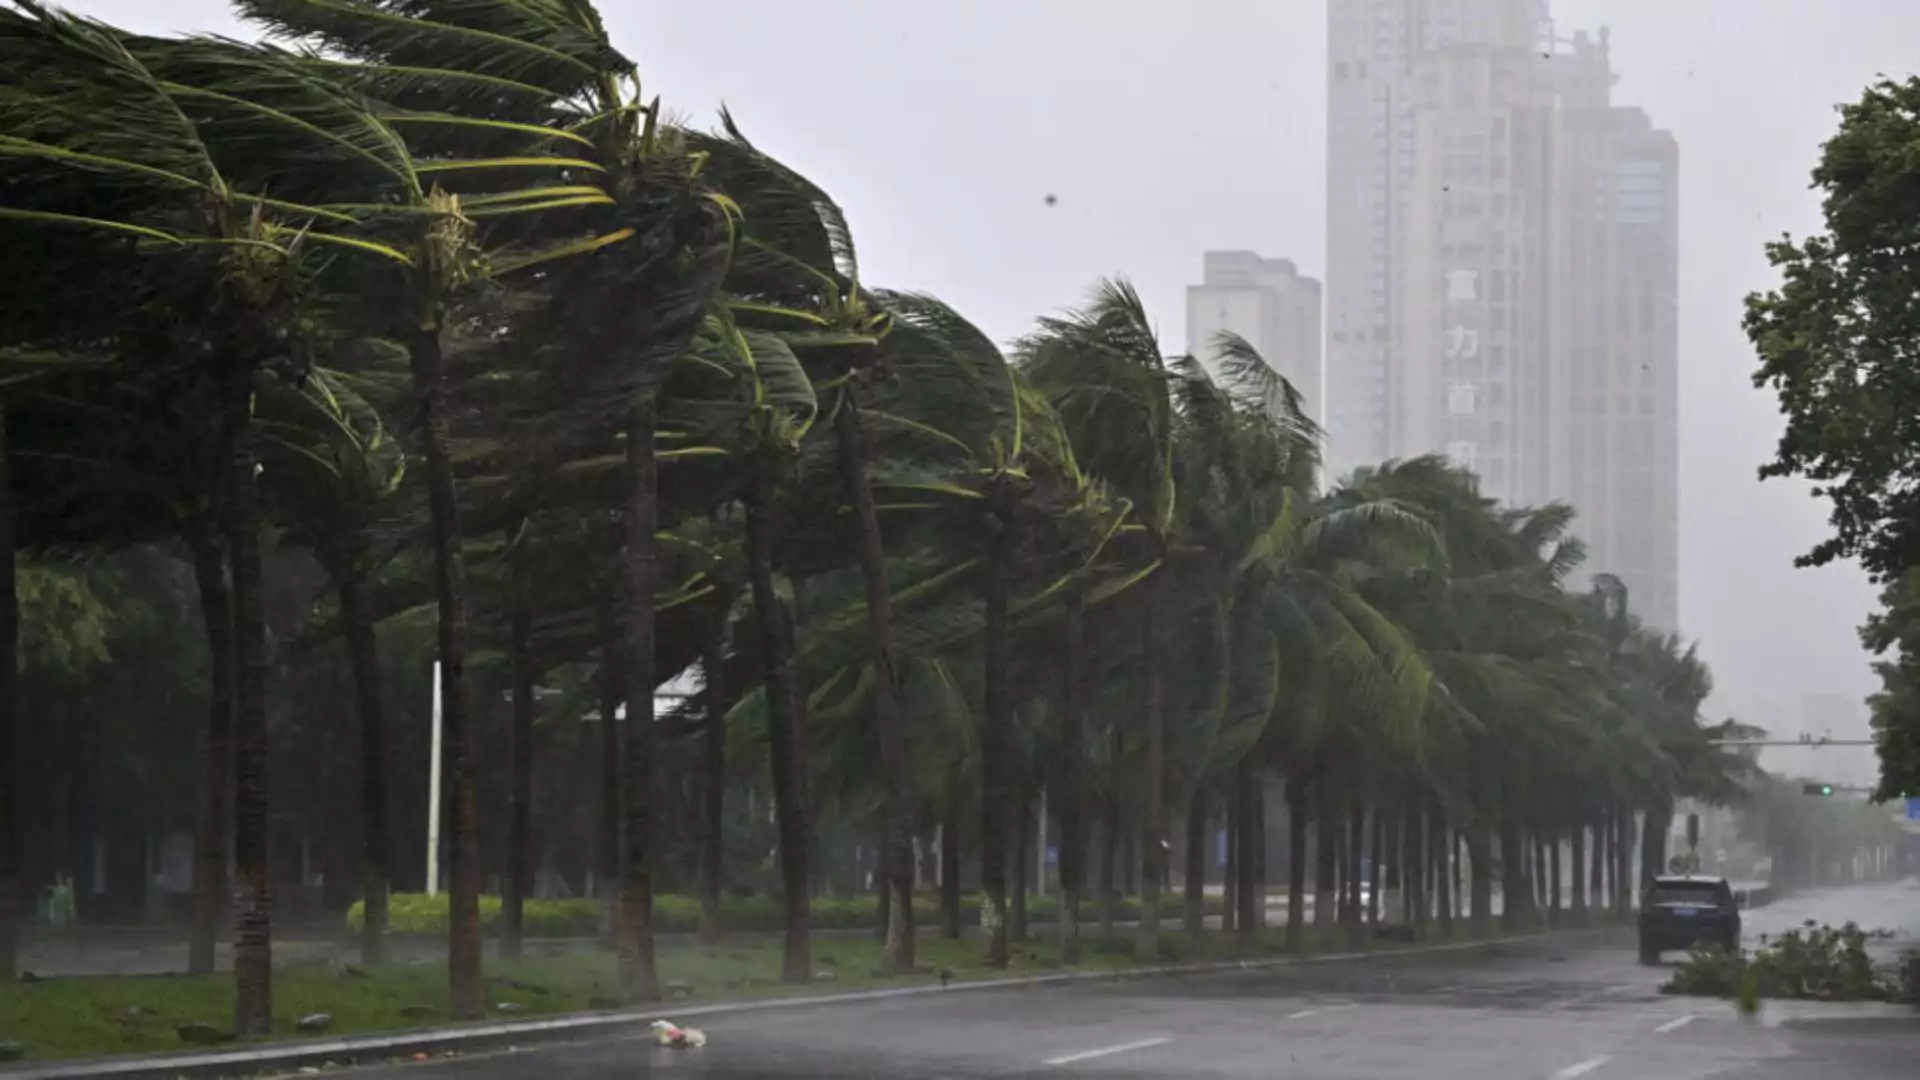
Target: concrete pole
x,y
433,793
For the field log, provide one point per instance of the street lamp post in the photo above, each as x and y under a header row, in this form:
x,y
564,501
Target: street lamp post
x,y
433,793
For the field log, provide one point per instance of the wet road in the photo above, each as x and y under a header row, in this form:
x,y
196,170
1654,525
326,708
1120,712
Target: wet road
x,y
1575,1008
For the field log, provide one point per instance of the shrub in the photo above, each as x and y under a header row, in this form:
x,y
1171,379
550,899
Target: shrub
x,y
1817,962
418,913
677,913
1906,977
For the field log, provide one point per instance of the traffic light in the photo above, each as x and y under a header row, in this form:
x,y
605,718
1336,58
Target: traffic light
x,y
1823,790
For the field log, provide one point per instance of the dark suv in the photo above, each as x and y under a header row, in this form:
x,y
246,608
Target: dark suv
x,y
1677,912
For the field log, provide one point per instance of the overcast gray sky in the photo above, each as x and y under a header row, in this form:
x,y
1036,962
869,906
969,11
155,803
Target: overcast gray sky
x,y
1169,129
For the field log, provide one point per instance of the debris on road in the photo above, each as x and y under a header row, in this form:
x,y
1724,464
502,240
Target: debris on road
x,y
667,1033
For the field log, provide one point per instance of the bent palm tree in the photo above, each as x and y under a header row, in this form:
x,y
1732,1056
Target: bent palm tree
x,y
161,140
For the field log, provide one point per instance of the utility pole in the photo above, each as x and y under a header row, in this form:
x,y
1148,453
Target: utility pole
x,y
433,793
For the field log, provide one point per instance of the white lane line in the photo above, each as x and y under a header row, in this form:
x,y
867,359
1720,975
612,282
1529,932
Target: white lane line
x,y
1676,1024
1085,1055
1304,1013
1582,1068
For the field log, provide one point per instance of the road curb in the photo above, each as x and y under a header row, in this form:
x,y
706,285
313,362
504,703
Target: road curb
x,y
480,1037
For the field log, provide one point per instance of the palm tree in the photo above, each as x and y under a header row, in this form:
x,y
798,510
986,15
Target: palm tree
x,y
158,139
988,465
334,471
1103,370
797,271
770,410
649,228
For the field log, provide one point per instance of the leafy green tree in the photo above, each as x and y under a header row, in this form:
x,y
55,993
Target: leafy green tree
x,y
1835,340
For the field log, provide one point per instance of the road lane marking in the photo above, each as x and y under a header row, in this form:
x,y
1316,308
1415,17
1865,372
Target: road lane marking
x,y
1304,1013
1676,1024
1582,1068
1085,1055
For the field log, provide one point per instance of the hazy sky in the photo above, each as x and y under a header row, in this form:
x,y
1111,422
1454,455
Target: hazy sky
x,y
1169,129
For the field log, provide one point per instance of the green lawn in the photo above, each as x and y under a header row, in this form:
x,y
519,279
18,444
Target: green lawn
x,y
97,1016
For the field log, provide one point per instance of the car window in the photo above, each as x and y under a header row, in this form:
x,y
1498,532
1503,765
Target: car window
x,y
1686,892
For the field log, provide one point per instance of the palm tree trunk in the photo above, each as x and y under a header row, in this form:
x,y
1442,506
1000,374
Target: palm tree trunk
x,y
1543,871
1480,881
1257,858
520,798
607,813
1596,881
882,902
996,722
1071,785
1195,883
613,695
1444,876
253,913
950,870
363,653
1356,872
1377,870
785,741
1413,869
9,729
1553,871
1579,868
1513,877
1653,843
713,781
456,732
209,551
1623,864
1229,870
1246,921
1109,860
639,978
1022,814
1296,865
1326,851
896,767
1153,813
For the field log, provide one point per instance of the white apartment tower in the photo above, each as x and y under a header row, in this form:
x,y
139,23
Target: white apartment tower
x,y
1502,268
1616,341
1266,301
1437,236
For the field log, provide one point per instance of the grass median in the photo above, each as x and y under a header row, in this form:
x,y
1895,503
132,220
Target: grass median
x,y
89,1016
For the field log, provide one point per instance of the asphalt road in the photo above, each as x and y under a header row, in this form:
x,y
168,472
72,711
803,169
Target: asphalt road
x,y
1575,1008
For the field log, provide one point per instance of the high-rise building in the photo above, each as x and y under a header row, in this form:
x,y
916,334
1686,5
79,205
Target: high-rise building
x,y
1616,339
1502,271
1269,303
1435,139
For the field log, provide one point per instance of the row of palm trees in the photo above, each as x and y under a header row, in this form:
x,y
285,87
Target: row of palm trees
x,y
433,289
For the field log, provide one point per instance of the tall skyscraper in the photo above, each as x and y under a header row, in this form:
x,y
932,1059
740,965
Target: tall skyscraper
x,y
1266,301
1502,266
1616,340
1434,233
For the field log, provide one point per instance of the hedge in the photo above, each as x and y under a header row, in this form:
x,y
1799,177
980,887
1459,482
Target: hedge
x,y
418,913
